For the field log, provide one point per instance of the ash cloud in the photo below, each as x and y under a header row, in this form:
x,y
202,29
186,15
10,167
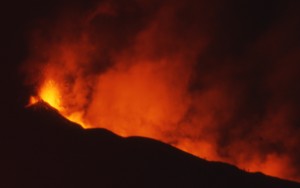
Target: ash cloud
x,y
218,79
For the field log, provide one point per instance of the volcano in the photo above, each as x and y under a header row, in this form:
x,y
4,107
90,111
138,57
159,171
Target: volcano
x,y
47,150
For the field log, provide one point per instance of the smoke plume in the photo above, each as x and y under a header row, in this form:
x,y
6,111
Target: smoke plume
x,y
218,79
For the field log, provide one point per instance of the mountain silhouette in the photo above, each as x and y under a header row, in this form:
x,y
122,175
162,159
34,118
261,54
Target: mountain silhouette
x,y
42,149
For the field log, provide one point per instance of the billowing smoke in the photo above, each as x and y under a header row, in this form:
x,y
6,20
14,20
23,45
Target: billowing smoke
x,y
217,79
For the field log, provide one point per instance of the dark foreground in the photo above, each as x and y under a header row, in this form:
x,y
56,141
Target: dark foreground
x,y
42,149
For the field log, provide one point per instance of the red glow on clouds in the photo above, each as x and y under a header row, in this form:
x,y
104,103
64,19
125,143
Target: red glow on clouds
x,y
148,75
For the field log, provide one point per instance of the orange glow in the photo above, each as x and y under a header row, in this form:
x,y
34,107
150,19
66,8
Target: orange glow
x,y
150,84
33,100
49,93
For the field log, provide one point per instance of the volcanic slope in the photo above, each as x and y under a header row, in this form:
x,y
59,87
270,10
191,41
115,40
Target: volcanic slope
x,y
42,149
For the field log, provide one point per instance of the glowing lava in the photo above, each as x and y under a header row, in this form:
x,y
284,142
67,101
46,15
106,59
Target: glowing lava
x,y
50,93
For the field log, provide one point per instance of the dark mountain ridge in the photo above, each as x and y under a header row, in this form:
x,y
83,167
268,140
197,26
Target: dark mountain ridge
x,y
42,149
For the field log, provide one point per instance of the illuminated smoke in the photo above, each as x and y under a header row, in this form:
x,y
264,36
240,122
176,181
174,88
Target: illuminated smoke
x,y
173,72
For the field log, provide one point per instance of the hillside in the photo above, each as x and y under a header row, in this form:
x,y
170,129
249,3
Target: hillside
x,y
42,149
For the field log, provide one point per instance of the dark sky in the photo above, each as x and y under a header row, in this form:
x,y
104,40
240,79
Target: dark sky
x,y
252,54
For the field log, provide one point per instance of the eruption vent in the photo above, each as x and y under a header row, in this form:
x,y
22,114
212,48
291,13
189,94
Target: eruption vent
x,y
174,72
